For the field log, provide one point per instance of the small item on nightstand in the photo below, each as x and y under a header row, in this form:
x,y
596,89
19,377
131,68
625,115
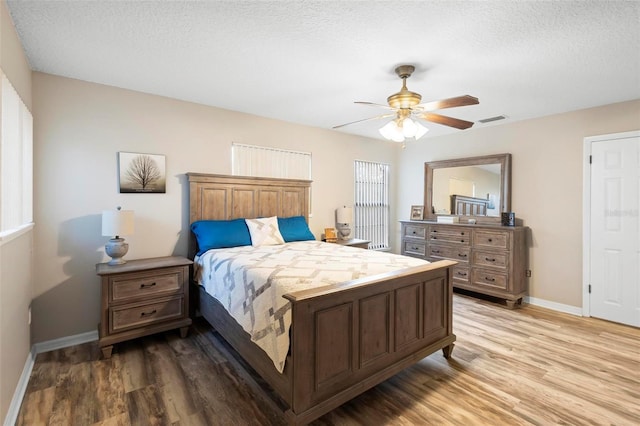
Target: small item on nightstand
x,y
330,235
508,219
472,221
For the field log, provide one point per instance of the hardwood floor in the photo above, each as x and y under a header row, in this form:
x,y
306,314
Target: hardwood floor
x,y
516,367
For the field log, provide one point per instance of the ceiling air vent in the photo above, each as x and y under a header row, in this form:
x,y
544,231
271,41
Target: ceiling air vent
x,y
490,119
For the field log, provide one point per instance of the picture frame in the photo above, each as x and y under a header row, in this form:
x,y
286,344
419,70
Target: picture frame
x,y
417,212
141,173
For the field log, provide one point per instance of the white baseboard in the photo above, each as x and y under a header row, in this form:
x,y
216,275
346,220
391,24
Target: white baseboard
x,y
21,388
567,309
38,348
65,342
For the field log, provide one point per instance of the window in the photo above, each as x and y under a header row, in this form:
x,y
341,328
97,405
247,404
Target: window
x,y
16,161
371,207
250,160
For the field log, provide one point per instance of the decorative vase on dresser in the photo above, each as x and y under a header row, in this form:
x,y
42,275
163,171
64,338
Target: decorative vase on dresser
x,y
492,259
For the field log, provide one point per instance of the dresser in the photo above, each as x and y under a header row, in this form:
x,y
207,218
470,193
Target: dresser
x,y
143,297
492,259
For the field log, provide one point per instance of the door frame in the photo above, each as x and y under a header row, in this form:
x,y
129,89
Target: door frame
x,y
586,211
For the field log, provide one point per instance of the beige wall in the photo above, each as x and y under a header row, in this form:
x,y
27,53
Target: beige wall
x,y
546,184
15,255
80,127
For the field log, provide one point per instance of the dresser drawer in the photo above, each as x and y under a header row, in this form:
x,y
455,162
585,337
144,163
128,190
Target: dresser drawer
x,y
494,239
135,286
445,234
489,279
461,274
460,254
414,248
132,316
415,231
489,259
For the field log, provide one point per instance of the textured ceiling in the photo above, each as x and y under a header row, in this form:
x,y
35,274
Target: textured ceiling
x,y
308,61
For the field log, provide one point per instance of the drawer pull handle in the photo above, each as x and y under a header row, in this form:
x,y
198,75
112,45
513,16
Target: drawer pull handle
x,y
146,314
490,240
415,248
434,238
462,241
489,260
489,279
414,232
462,274
148,285
462,233
435,251
462,255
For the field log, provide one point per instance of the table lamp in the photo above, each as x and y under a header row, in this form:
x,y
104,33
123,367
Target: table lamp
x,y
114,224
344,216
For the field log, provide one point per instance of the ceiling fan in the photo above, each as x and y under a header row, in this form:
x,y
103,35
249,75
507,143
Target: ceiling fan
x,y
405,106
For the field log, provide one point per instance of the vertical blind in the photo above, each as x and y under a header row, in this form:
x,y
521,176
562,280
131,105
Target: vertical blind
x,y
251,160
16,160
371,208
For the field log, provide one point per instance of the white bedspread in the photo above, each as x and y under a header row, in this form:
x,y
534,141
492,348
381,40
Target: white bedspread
x,y
250,281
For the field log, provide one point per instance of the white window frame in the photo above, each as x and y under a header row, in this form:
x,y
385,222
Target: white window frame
x,y
16,163
371,203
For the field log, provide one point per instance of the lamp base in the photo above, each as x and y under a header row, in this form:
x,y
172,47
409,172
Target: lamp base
x,y
344,231
116,248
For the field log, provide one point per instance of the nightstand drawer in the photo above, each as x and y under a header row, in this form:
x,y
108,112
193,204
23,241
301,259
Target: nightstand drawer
x,y
125,317
131,287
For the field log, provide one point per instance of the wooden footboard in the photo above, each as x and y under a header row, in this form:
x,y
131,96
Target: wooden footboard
x,y
348,338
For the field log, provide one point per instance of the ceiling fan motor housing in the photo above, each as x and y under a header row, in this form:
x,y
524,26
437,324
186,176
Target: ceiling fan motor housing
x,y
404,99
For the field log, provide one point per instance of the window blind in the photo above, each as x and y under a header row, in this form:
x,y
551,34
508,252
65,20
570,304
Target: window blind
x,y
251,160
16,160
371,207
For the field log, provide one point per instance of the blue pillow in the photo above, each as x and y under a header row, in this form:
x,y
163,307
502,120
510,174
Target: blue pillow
x,y
294,228
220,234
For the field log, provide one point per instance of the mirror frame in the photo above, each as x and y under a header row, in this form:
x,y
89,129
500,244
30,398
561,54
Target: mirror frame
x,y
505,183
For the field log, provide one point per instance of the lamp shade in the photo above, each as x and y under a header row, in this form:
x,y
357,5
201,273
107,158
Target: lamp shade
x,y
344,215
117,222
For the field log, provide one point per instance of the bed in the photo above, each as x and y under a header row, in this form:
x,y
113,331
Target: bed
x,y
469,206
344,338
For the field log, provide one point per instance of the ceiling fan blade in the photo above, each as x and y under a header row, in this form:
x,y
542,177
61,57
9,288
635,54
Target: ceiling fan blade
x,y
447,103
447,121
365,119
375,105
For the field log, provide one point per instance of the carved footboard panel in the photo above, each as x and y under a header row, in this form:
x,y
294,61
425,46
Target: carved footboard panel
x,y
347,340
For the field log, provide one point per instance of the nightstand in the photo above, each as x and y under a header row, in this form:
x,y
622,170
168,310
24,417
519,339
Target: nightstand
x,y
354,242
143,297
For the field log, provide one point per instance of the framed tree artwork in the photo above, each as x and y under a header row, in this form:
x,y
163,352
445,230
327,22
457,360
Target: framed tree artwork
x,y
141,173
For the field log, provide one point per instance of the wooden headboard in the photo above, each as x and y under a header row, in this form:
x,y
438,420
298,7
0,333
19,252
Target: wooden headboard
x,y
468,206
223,197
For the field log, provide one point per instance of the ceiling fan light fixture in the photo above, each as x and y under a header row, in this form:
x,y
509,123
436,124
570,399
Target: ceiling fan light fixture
x,y
420,130
409,128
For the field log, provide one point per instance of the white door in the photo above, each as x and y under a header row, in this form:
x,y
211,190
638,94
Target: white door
x,y
614,229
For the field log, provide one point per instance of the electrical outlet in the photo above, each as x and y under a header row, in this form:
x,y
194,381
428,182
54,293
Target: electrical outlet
x,y
527,273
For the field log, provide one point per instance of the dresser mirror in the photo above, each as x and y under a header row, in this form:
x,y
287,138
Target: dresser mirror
x,y
472,188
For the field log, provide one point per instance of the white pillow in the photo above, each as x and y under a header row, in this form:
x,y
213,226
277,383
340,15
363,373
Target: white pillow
x,y
264,231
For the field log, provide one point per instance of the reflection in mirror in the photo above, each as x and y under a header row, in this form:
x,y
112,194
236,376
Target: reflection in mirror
x,y
467,190
474,186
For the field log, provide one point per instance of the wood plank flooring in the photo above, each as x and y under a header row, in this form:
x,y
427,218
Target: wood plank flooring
x,y
517,367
